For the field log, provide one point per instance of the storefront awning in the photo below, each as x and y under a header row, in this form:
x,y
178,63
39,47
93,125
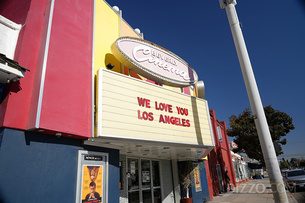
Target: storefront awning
x,y
152,150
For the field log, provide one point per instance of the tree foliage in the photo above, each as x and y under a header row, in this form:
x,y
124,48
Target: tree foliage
x,y
284,164
293,163
243,129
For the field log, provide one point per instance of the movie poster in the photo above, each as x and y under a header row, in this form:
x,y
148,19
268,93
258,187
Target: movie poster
x,y
197,179
92,184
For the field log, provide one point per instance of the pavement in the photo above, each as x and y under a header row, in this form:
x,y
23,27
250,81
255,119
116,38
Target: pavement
x,y
254,191
299,196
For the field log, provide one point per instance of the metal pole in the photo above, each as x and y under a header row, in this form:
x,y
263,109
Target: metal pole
x,y
270,158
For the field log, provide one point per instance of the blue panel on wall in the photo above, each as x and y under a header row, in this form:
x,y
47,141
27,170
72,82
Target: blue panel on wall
x,y
43,168
203,195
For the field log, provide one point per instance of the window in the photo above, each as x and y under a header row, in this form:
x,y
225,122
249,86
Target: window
x,y
219,133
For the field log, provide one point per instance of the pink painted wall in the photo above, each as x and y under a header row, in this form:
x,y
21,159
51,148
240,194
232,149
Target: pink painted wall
x,y
66,101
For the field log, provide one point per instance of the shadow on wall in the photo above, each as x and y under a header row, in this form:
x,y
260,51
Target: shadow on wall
x,y
223,167
214,158
213,172
110,58
196,121
166,175
185,169
189,172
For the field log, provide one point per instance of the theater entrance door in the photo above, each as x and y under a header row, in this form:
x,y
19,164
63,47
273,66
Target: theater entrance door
x,y
143,177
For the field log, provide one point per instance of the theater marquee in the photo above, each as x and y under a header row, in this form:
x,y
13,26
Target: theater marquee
x,y
153,62
129,108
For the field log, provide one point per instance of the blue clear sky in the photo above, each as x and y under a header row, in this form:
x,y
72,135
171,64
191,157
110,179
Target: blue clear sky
x,y
199,32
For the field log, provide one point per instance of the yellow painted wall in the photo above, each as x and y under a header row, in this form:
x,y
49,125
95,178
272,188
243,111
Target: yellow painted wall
x,y
108,27
107,30
118,111
128,31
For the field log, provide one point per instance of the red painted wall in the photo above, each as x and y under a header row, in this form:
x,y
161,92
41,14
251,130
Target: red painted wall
x,y
66,100
225,149
15,107
219,155
66,104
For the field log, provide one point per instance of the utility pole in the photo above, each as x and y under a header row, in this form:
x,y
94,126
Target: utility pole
x,y
264,135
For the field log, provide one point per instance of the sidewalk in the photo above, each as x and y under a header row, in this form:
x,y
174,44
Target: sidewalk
x,y
254,191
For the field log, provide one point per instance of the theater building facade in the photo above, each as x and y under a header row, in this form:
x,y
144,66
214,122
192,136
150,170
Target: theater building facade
x,y
101,115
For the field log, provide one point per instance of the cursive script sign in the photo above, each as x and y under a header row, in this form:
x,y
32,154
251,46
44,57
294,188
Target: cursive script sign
x,y
153,62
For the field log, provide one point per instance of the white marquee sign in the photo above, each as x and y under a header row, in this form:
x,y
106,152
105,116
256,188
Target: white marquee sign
x,y
153,62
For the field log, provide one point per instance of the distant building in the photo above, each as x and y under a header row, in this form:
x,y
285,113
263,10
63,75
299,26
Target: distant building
x,y
233,145
240,163
241,168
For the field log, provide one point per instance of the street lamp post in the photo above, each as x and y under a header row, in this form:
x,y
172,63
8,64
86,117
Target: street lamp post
x,y
270,158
